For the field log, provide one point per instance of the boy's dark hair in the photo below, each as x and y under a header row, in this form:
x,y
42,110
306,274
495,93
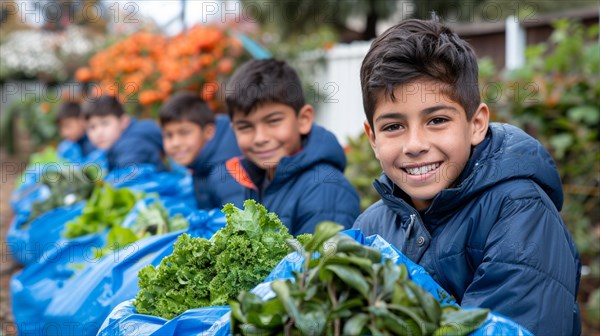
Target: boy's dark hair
x,y
263,81
186,106
103,106
68,109
417,50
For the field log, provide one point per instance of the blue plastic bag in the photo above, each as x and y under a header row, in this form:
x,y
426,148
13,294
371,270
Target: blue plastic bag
x,y
145,177
86,299
28,244
33,288
125,321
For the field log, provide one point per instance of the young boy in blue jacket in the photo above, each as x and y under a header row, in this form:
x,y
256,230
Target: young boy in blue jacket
x,y
476,204
75,146
193,137
291,166
127,141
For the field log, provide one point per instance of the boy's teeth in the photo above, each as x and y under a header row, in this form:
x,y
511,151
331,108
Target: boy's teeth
x,y
423,169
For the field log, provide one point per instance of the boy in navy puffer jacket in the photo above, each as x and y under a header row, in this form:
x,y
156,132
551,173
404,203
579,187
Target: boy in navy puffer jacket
x,y
193,137
126,140
476,204
290,165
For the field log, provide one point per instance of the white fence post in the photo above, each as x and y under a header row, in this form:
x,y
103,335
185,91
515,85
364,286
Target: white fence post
x,y
340,107
515,44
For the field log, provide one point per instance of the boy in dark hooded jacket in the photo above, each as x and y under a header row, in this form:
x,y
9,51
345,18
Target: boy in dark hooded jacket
x,y
193,137
127,141
75,146
476,204
290,165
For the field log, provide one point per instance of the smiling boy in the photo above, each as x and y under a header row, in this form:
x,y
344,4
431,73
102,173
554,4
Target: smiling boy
x,y
193,137
476,204
289,164
127,141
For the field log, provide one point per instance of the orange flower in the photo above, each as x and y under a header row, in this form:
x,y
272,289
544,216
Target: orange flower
x,y
226,66
148,67
83,74
149,97
45,107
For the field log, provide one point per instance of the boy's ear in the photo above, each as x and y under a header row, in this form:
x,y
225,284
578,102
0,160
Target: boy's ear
x,y
480,123
124,121
208,131
371,135
305,119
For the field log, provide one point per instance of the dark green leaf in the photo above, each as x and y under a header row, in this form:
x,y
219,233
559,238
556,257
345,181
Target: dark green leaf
x,y
356,324
351,277
461,322
323,232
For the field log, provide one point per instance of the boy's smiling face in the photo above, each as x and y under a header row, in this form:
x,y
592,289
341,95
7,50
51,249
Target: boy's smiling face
x,y
71,129
184,140
104,131
270,132
423,139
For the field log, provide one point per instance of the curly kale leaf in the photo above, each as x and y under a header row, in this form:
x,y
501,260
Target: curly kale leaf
x,y
203,273
179,282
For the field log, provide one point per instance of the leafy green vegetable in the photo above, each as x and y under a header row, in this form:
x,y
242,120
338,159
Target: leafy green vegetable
x,y
203,272
107,207
152,220
67,187
347,290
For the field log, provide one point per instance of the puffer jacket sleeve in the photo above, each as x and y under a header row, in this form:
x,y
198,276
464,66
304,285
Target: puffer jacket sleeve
x,y
529,270
328,201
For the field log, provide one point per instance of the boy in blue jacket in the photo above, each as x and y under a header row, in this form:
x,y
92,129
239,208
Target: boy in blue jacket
x,y
291,166
476,204
127,141
193,137
75,146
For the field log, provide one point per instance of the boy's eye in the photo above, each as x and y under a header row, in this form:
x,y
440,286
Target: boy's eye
x,y
391,127
438,120
273,121
242,127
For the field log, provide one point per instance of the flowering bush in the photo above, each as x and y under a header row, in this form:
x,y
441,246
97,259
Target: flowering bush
x,y
50,56
146,68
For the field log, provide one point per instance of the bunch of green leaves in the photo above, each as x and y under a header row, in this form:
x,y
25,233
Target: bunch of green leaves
x,y
67,187
362,169
106,208
347,290
203,272
152,220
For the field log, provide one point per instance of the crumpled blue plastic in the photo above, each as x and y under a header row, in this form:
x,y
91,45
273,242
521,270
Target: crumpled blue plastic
x,y
124,320
33,287
84,301
28,244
